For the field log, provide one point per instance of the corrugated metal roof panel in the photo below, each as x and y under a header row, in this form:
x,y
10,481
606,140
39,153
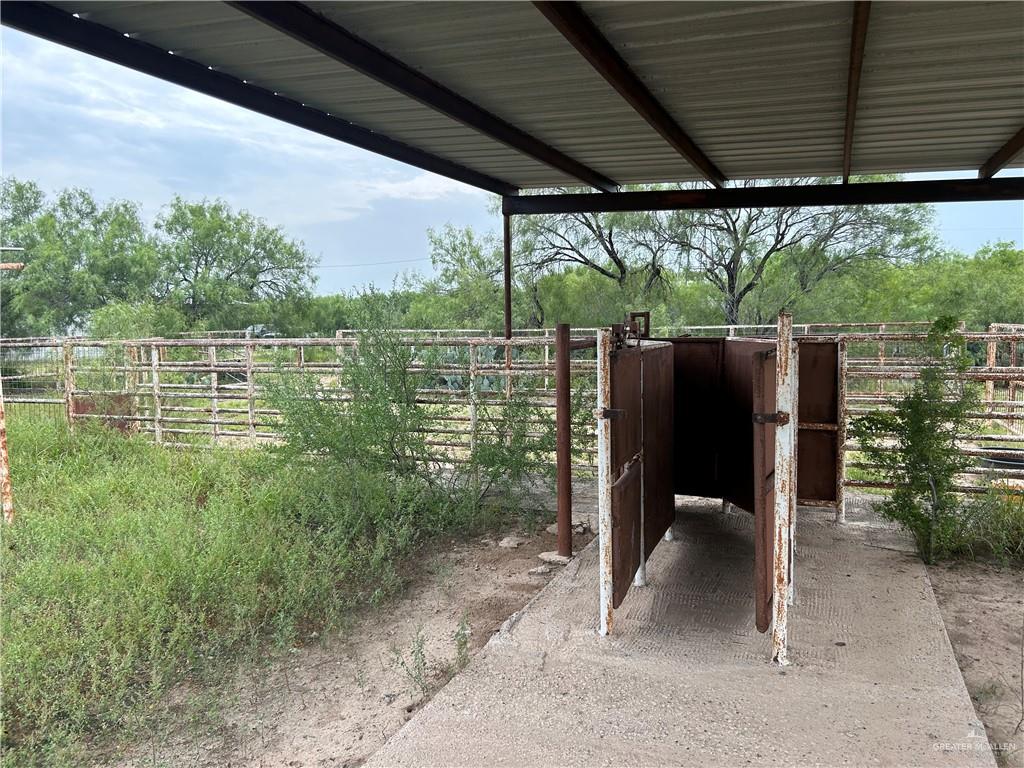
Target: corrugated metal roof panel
x,y
759,86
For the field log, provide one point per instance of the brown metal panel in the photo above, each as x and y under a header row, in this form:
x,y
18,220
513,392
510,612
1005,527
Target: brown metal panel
x,y
696,415
763,401
658,439
625,447
736,454
818,421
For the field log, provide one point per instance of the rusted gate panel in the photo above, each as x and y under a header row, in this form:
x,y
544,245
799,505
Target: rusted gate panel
x,y
737,443
818,422
658,438
764,402
626,445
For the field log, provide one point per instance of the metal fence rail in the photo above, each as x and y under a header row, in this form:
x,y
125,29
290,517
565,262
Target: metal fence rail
x,y
210,391
194,392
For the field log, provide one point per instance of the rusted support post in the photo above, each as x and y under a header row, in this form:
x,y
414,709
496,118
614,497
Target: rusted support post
x,y
841,435
154,368
6,493
211,353
881,360
785,485
563,439
69,384
250,390
507,269
604,479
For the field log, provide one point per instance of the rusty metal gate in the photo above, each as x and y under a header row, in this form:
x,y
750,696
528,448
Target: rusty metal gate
x,y
635,444
654,396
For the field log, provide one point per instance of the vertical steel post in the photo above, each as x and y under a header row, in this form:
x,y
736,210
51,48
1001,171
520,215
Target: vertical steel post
x,y
211,353
507,268
841,435
785,484
563,439
604,479
250,390
474,356
990,361
69,384
154,367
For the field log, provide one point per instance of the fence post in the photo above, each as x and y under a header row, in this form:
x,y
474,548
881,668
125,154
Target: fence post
x,y
154,367
250,393
841,437
785,485
604,480
69,384
990,362
881,361
211,353
473,361
563,439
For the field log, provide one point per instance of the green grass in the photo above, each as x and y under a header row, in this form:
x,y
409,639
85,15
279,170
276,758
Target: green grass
x,y
131,568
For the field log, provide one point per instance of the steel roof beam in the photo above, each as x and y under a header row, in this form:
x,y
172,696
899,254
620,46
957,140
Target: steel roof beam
x,y
868,193
861,12
1003,156
51,23
312,29
576,27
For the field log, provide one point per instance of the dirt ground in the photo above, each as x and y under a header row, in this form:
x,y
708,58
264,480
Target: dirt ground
x,y
336,700
983,609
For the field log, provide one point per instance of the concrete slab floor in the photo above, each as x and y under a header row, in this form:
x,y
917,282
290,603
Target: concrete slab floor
x,y
685,678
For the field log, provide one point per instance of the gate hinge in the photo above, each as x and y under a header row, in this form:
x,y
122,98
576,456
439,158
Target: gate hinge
x,y
609,413
779,417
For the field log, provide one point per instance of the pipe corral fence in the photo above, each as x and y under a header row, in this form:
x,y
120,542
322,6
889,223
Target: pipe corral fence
x,y
214,391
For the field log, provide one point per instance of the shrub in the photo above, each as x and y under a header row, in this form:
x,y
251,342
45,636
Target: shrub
x,y
914,445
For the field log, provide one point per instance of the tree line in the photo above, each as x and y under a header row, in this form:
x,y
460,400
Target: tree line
x,y
97,268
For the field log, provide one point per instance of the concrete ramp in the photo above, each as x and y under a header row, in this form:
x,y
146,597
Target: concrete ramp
x,y
685,678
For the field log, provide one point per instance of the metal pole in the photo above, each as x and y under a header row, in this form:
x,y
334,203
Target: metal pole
x,y
785,484
474,355
563,439
507,247
69,384
604,478
507,237
250,386
214,404
154,367
990,361
841,437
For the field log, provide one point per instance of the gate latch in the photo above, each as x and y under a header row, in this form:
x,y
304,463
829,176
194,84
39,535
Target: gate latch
x,y
779,417
609,413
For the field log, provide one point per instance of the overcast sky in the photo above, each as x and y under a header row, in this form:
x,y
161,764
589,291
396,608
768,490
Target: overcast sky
x,y
69,119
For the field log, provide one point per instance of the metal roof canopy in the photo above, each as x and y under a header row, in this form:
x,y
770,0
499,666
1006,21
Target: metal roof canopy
x,y
508,96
